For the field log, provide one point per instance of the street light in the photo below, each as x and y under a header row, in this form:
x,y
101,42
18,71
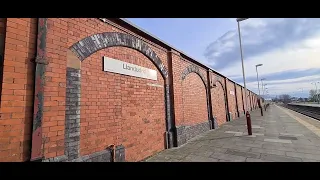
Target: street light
x,y
258,76
265,88
244,79
262,86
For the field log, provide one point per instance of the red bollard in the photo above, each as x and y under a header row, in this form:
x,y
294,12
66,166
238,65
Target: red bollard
x,y
249,123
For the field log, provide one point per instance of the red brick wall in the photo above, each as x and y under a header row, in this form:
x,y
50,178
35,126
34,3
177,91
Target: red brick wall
x,y
231,99
248,99
218,102
114,108
62,33
17,94
55,88
2,34
239,98
189,95
121,109
178,66
251,100
243,95
242,90
17,89
2,40
256,101
194,100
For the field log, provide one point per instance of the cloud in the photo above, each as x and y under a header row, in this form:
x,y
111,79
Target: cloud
x,y
259,36
284,76
287,48
295,86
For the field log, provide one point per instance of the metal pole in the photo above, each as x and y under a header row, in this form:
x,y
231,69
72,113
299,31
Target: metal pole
x,y
262,87
258,79
265,90
244,83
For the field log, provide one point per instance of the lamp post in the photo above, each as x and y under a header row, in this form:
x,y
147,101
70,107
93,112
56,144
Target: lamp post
x,y
258,76
244,79
262,84
265,89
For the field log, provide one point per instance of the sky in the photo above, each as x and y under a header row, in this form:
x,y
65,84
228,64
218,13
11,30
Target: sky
x,y
288,48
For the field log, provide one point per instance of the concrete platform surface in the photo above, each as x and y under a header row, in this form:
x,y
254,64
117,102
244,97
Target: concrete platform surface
x,y
281,135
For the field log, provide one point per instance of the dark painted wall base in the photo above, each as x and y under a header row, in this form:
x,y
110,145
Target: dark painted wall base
x,y
215,123
185,133
230,116
63,158
102,156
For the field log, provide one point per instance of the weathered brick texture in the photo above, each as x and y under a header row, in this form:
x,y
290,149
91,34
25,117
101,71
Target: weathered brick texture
x,y
218,100
190,94
17,89
249,99
2,42
239,98
190,98
231,99
194,105
121,109
86,109
2,34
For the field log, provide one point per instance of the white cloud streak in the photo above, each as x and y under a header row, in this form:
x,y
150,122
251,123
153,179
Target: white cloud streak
x,y
279,44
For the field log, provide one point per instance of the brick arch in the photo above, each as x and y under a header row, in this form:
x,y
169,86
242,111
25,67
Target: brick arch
x,y
218,80
91,44
193,69
224,89
187,131
83,49
225,98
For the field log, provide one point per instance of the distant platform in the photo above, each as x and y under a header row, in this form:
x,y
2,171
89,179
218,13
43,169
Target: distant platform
x,y
306,104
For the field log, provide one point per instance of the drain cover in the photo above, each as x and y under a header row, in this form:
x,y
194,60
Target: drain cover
x,y
287,137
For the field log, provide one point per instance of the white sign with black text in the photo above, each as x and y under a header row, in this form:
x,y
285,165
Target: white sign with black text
x,y
121,67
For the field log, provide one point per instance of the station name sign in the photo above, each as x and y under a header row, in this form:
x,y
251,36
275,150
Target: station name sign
x,y
121,67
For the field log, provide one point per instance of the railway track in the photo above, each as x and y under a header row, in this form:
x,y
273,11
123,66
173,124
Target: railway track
x,y
310,111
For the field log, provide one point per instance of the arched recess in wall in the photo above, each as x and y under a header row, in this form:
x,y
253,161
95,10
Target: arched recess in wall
x,y
86,47
194,69
225,99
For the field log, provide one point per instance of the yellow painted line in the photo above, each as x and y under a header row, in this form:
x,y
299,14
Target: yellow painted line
x,y
311,127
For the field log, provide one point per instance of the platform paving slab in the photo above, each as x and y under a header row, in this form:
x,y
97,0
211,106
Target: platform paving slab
x,y
281,135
